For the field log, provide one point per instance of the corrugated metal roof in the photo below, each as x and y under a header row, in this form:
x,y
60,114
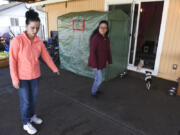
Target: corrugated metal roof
x,y
27,1
8,6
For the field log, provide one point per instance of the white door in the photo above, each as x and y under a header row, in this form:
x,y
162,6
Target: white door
x,y
152,35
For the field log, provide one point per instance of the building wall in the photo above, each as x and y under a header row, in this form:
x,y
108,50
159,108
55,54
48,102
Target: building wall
x,y
58,9
19,13
171,45
171,48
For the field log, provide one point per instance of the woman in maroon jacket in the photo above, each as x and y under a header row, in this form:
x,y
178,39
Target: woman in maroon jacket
x,y
100,53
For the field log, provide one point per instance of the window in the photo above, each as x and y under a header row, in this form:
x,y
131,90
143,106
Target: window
x,y
14,22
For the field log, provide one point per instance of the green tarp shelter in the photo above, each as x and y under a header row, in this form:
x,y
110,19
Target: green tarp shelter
x,y
74,30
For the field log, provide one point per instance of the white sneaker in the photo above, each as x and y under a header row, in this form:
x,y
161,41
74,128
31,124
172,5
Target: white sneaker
x,y
30,129
36,120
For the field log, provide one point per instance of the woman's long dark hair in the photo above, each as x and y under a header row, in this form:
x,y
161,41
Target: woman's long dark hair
x,y
97,29
32,15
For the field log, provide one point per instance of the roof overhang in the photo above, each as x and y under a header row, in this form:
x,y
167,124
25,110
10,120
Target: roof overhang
x,y
27,1
46,2
32,3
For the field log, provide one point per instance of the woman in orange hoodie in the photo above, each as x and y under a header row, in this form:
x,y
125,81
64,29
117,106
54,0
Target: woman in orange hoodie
x,y
25,51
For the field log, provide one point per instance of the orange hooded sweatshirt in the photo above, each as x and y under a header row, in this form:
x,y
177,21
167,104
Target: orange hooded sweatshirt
x,y
24,58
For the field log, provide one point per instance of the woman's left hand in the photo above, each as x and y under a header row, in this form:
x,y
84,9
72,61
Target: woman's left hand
x,y
58,73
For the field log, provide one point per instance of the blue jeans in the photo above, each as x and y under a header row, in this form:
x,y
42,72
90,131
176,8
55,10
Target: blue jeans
x,y
28,92
98,79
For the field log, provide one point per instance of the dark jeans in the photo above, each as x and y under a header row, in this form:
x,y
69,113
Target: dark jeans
x,y
28,92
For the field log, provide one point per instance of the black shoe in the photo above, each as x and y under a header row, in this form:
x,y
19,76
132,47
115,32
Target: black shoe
x,y
94,95
99,92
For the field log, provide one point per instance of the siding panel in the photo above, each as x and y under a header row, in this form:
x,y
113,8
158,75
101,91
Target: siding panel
x,y
171,47
57,9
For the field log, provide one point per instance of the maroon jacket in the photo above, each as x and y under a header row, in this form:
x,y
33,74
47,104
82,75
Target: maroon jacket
x,y
100,52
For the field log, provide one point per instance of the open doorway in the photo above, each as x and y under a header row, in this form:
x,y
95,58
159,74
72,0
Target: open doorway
x,y
148,33
146,20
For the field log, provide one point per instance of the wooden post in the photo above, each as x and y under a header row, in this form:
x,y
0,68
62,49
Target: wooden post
x,y
178,89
